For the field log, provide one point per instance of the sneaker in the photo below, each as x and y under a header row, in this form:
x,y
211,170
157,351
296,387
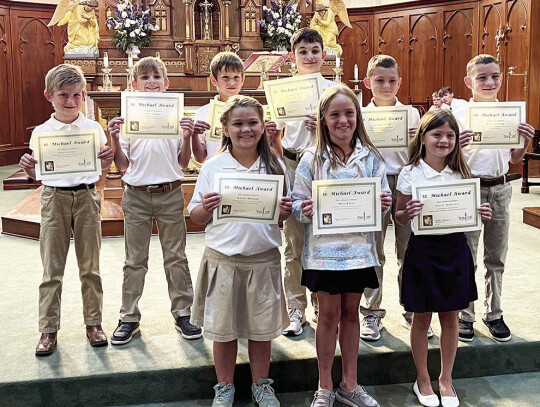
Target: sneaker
x,y
323,398
263,394
406,322
188,330
466,331
297,318
498,329
124,332
359,397
315,317
224,395
370,329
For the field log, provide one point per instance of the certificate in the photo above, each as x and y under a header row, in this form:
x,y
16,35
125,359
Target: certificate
x,y
293,98
346,205
151,114
388,127
449,207
495,124
216,108
248,198
66,154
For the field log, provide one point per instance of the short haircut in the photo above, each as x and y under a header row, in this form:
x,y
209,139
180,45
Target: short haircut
x,y
382,61
149,64
435,94
308,35
445,90
481,59
64,75
227,60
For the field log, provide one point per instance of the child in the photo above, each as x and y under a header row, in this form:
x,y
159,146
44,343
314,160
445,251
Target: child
x,y
437,102
153,190
438,271
484,79
69,205
335,270
240,275
308,55
455,104
383,78
227,75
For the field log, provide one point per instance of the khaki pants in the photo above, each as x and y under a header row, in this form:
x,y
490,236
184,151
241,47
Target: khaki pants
x,y
293,231
64,212
373,297
168,210
495,249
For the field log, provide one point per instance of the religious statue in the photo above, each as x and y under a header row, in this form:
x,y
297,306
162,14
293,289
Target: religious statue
x,y
324,22
83,28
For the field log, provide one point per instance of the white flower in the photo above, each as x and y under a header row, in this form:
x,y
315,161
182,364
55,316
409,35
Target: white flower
x,y
289,26
124,14
137,31
279,23
275,15
121,7
132,34
143,35
127,24
117,26
265,8
156,27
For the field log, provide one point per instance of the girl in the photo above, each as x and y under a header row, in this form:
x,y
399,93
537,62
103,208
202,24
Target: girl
x,y
240,274
333,268
438,273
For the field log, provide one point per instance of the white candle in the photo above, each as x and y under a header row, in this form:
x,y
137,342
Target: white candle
x,y
105,60
355,72
338,60
130,60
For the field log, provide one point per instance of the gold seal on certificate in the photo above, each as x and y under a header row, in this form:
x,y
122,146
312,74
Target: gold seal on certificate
x,y
151,114
293,98
248,198
216,108
388,126
66,154
495,124
449,207
346,205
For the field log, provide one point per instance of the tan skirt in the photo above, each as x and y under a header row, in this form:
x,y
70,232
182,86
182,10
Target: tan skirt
x,y
240,297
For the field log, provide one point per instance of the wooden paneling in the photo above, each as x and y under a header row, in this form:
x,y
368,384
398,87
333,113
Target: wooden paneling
x,y
6,82
516,48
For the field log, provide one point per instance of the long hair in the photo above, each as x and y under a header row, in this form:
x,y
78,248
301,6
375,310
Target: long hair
x,y
432,120
323,141
267,155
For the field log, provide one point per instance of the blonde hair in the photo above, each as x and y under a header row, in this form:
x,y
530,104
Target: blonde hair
x,y
323,142
268,156
481,59
149,64
382,61
64,75
227,60
432,120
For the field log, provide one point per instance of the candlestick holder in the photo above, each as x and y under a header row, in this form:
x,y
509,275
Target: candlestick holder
x,y
339,71
107,82
264,77
129,87
356,82
293,70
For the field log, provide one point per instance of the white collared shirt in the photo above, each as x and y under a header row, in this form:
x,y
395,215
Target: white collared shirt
x,y
81,123
202,114
233,238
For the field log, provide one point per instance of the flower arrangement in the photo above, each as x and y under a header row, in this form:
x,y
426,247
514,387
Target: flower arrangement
x,y
133,25
279,23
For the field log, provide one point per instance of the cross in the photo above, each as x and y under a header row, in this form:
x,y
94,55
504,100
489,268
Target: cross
x,y
207,6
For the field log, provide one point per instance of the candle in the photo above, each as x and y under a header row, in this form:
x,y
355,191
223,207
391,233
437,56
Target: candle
x,y
105,60
338,60
355,72
130,60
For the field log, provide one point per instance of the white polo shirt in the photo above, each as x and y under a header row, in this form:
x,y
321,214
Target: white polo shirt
x,y
81,123
202,114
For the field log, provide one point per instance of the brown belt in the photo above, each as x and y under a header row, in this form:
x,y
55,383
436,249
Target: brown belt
x,y
157,189
503,179
290,155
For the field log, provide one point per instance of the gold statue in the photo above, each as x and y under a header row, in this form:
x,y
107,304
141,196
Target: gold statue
x,y
83,28
324,22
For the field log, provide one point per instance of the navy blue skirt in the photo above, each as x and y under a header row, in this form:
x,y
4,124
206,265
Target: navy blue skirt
x,y
438,274
340,281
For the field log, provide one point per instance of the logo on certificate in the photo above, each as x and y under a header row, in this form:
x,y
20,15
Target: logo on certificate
x,y
49,165
281,111
327,218
226,209
427,220
134,126
217,132
477,136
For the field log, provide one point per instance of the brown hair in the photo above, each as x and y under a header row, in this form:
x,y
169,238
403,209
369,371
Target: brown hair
x,y
228,60
308,35
149,64
383,61
64,75
481,59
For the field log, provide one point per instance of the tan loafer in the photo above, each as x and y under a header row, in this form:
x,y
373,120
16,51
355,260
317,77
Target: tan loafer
x,y
46,344
96,336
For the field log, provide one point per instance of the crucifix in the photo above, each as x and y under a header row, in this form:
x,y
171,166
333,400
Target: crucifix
x,y
499,35
207,7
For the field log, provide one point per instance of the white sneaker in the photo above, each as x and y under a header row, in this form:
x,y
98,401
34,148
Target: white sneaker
x,y
297,318
370,328
406,322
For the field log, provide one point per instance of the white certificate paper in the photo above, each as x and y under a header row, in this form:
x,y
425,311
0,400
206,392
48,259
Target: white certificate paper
x,y
248,198
388,126
449,207
293,98
495,124
216,108
151,114
66,154
346,205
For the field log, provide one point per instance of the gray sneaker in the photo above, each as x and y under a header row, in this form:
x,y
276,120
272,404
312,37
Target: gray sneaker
x,y
359,397
323,398
263,395
370,328
224,395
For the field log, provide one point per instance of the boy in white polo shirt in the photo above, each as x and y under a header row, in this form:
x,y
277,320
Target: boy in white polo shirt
x,y
484,79
69,205
153,190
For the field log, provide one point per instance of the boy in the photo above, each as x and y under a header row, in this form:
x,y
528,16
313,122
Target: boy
x,y
153,190
227,75
69,205
455,105
437,102
308,55
484,79
383,78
